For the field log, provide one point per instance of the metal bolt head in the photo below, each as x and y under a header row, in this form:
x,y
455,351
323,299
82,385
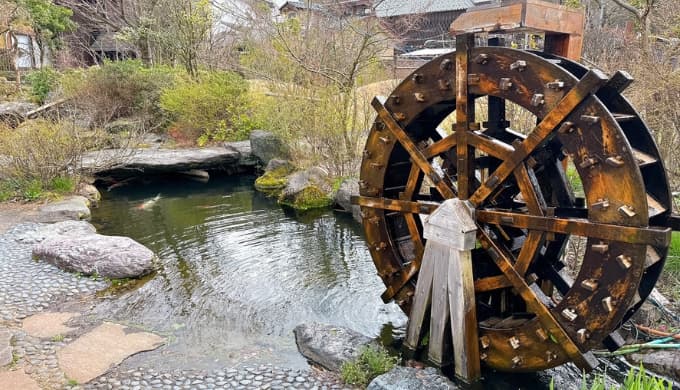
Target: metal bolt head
x,y
518,65
624,261
569,314
514,342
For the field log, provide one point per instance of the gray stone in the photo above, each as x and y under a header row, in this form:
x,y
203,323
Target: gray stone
x,y
72,208
231,157
664,362
108,256
407,378
329,346
40,232
267,146
348,188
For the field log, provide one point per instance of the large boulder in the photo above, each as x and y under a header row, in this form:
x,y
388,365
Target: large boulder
x,y
307,190
343,197
266,146
107,256
329,346
407,378
71,208
234,157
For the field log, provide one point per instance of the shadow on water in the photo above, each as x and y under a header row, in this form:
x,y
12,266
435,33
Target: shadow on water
x,y
237,272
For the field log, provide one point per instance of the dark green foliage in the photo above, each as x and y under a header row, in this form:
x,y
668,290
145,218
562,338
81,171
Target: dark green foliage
x,y
42,82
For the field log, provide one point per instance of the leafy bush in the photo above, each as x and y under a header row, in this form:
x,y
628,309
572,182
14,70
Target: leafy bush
x,y
216,107
372,362
118,90
42,82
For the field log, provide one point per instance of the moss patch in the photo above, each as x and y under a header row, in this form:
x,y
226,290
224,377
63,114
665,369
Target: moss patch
x,y
273,180
309,198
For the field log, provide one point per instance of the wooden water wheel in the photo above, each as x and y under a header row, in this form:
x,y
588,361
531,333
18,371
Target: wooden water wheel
x,y
531,313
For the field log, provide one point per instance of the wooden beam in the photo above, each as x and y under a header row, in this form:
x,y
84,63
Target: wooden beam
x,y
588,85
580,227
415,153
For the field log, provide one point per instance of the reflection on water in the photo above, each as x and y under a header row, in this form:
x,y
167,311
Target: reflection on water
x,y
237,273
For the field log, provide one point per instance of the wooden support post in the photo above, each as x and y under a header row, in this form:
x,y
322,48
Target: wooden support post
x,y
446,285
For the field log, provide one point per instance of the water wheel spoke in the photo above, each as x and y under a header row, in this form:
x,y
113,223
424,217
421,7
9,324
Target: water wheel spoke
x,y
588,85
528,186
442,146
491,283
490,146
403,206
580,227
411,183
536,302
416,155
529,251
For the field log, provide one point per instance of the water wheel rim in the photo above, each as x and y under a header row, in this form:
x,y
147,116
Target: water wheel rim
x,y
420,103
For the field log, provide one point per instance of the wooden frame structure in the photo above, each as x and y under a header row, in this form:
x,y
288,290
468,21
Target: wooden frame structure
x,y
563,27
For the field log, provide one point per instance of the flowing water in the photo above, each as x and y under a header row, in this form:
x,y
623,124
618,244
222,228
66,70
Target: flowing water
x,y
238,273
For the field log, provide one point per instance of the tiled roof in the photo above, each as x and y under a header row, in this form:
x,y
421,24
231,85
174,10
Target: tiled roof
x,y
389,8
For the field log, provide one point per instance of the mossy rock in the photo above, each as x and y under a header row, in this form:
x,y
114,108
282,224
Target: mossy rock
x,y
310,197
273,181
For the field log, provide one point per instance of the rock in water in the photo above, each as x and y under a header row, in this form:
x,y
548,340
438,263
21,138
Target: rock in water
x,y
329,346
407,378
108,256
343,198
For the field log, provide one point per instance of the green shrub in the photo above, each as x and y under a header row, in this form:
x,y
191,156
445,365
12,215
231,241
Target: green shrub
x,y
371,362
42,82
216,107
119,89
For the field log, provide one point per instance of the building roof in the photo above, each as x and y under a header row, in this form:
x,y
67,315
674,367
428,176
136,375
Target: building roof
x,y
388,8
300,5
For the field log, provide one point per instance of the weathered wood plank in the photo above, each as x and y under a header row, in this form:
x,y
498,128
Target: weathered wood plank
x,y
421,301
440,305
463,316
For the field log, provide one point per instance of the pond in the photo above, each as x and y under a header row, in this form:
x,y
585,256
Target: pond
x,y
238,273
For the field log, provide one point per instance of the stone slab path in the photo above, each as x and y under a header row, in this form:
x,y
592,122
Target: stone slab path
x,y
92,354
49,325
17,380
